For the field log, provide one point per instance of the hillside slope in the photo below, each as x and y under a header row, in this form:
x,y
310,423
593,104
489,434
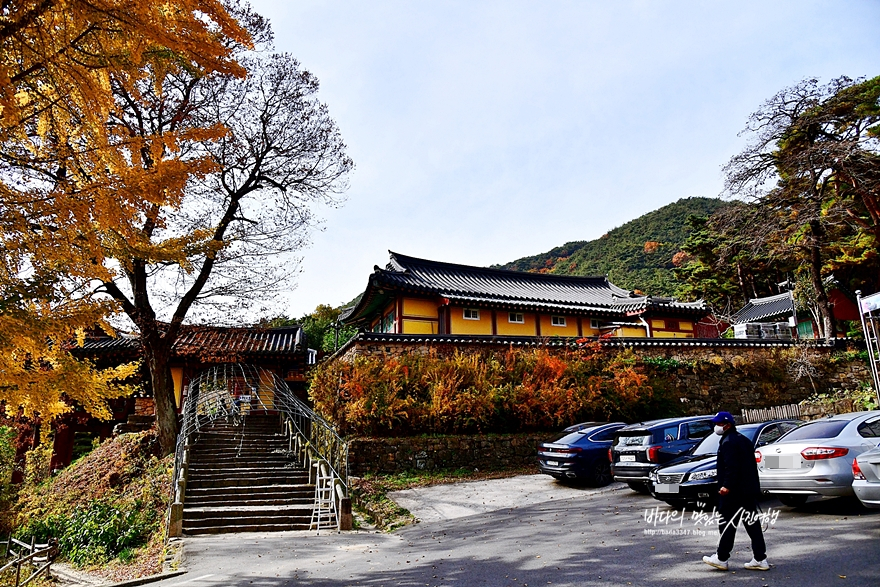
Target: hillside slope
x,y
107,509
637,255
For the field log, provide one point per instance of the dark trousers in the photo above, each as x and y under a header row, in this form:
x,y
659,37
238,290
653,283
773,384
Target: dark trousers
x,y
733,512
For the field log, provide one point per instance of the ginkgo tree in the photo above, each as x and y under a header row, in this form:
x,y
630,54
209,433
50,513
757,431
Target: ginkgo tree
x,y
202,198
58,188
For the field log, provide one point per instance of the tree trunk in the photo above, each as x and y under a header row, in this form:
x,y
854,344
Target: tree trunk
x,y
157,357
828,328
742,284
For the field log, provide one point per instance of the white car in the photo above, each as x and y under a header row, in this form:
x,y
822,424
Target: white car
x,y
816,459
866,478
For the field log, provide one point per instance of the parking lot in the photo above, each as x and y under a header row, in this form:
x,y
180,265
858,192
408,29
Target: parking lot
x,y
531,530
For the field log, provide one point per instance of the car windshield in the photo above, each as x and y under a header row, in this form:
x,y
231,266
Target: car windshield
x,y
821,429
573,438
636,439
709,446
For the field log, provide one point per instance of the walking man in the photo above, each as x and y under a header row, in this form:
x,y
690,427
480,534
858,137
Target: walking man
x,y
737,496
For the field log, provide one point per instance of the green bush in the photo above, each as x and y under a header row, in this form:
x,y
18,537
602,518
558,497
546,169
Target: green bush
x,y
864,398
93,534
37,461
7,467
664,364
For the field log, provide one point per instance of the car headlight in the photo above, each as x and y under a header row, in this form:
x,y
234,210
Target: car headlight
x,y
653,476
701,475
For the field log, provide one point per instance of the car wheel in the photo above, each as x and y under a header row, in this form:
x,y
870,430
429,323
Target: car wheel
x,y
793,501
638,487
601,474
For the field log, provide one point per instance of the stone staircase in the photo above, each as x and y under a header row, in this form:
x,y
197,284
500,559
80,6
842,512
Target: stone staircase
x,y
242,479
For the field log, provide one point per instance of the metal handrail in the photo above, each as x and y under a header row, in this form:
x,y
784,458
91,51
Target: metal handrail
x,y
215,394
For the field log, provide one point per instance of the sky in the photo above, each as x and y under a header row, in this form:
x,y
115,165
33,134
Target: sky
x,y
486,131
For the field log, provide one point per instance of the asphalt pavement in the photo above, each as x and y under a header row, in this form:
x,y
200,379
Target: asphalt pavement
x,y
531,530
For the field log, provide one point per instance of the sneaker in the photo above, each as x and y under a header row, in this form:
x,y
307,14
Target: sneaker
x,y
714,561
754,565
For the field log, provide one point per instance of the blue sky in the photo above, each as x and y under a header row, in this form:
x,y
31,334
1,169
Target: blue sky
x,y
485,131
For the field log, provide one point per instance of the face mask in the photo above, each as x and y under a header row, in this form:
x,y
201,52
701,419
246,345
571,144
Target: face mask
x,y
719,430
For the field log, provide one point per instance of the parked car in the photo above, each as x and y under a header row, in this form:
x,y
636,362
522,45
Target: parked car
x,y
816,458
640,448
582,453
693,478
866,478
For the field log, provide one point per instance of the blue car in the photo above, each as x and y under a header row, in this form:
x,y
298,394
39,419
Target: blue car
x,y
639,449
692,479
581,454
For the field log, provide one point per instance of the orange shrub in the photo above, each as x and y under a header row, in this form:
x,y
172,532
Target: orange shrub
x,y
507,391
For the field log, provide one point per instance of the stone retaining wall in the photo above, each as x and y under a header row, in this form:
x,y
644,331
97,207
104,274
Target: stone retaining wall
x,y
431,453
708,388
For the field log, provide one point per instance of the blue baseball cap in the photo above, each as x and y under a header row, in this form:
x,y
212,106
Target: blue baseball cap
x,y
723,418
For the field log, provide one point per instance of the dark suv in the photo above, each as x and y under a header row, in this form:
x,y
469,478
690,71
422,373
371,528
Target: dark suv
x,y
640,448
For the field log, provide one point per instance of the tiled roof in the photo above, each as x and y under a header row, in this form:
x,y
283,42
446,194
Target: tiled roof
x,y
208,341
248,341
502,288
123,342
758,309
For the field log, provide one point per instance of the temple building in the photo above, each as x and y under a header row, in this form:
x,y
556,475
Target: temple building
x,y
420,297
280,351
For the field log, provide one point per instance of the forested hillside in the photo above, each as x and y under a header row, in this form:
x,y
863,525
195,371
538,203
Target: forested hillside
x,y
637,255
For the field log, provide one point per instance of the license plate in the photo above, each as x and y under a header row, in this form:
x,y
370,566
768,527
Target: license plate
x,y
666,487
551,463
627,458
783,461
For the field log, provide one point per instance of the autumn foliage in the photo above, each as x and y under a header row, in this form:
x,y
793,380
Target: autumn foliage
x,y
107,508
71,174
507,391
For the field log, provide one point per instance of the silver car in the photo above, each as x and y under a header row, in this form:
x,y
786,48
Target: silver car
x,y
866,473
816,458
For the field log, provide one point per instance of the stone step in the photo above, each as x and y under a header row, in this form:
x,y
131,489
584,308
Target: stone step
x,y
195,530
242,478
236,483
247,423
238,459
212,437
276,432
246,443
298,498
254,489
234,457
231,518
229,430
266,513
280,486
205,452
293,475
267,440
253,418
244,463
269,461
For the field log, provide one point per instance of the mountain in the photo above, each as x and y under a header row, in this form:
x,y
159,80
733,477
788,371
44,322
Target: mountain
x,y
637,255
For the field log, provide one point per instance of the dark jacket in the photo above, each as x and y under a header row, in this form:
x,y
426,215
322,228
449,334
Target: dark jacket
x,y
737,469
